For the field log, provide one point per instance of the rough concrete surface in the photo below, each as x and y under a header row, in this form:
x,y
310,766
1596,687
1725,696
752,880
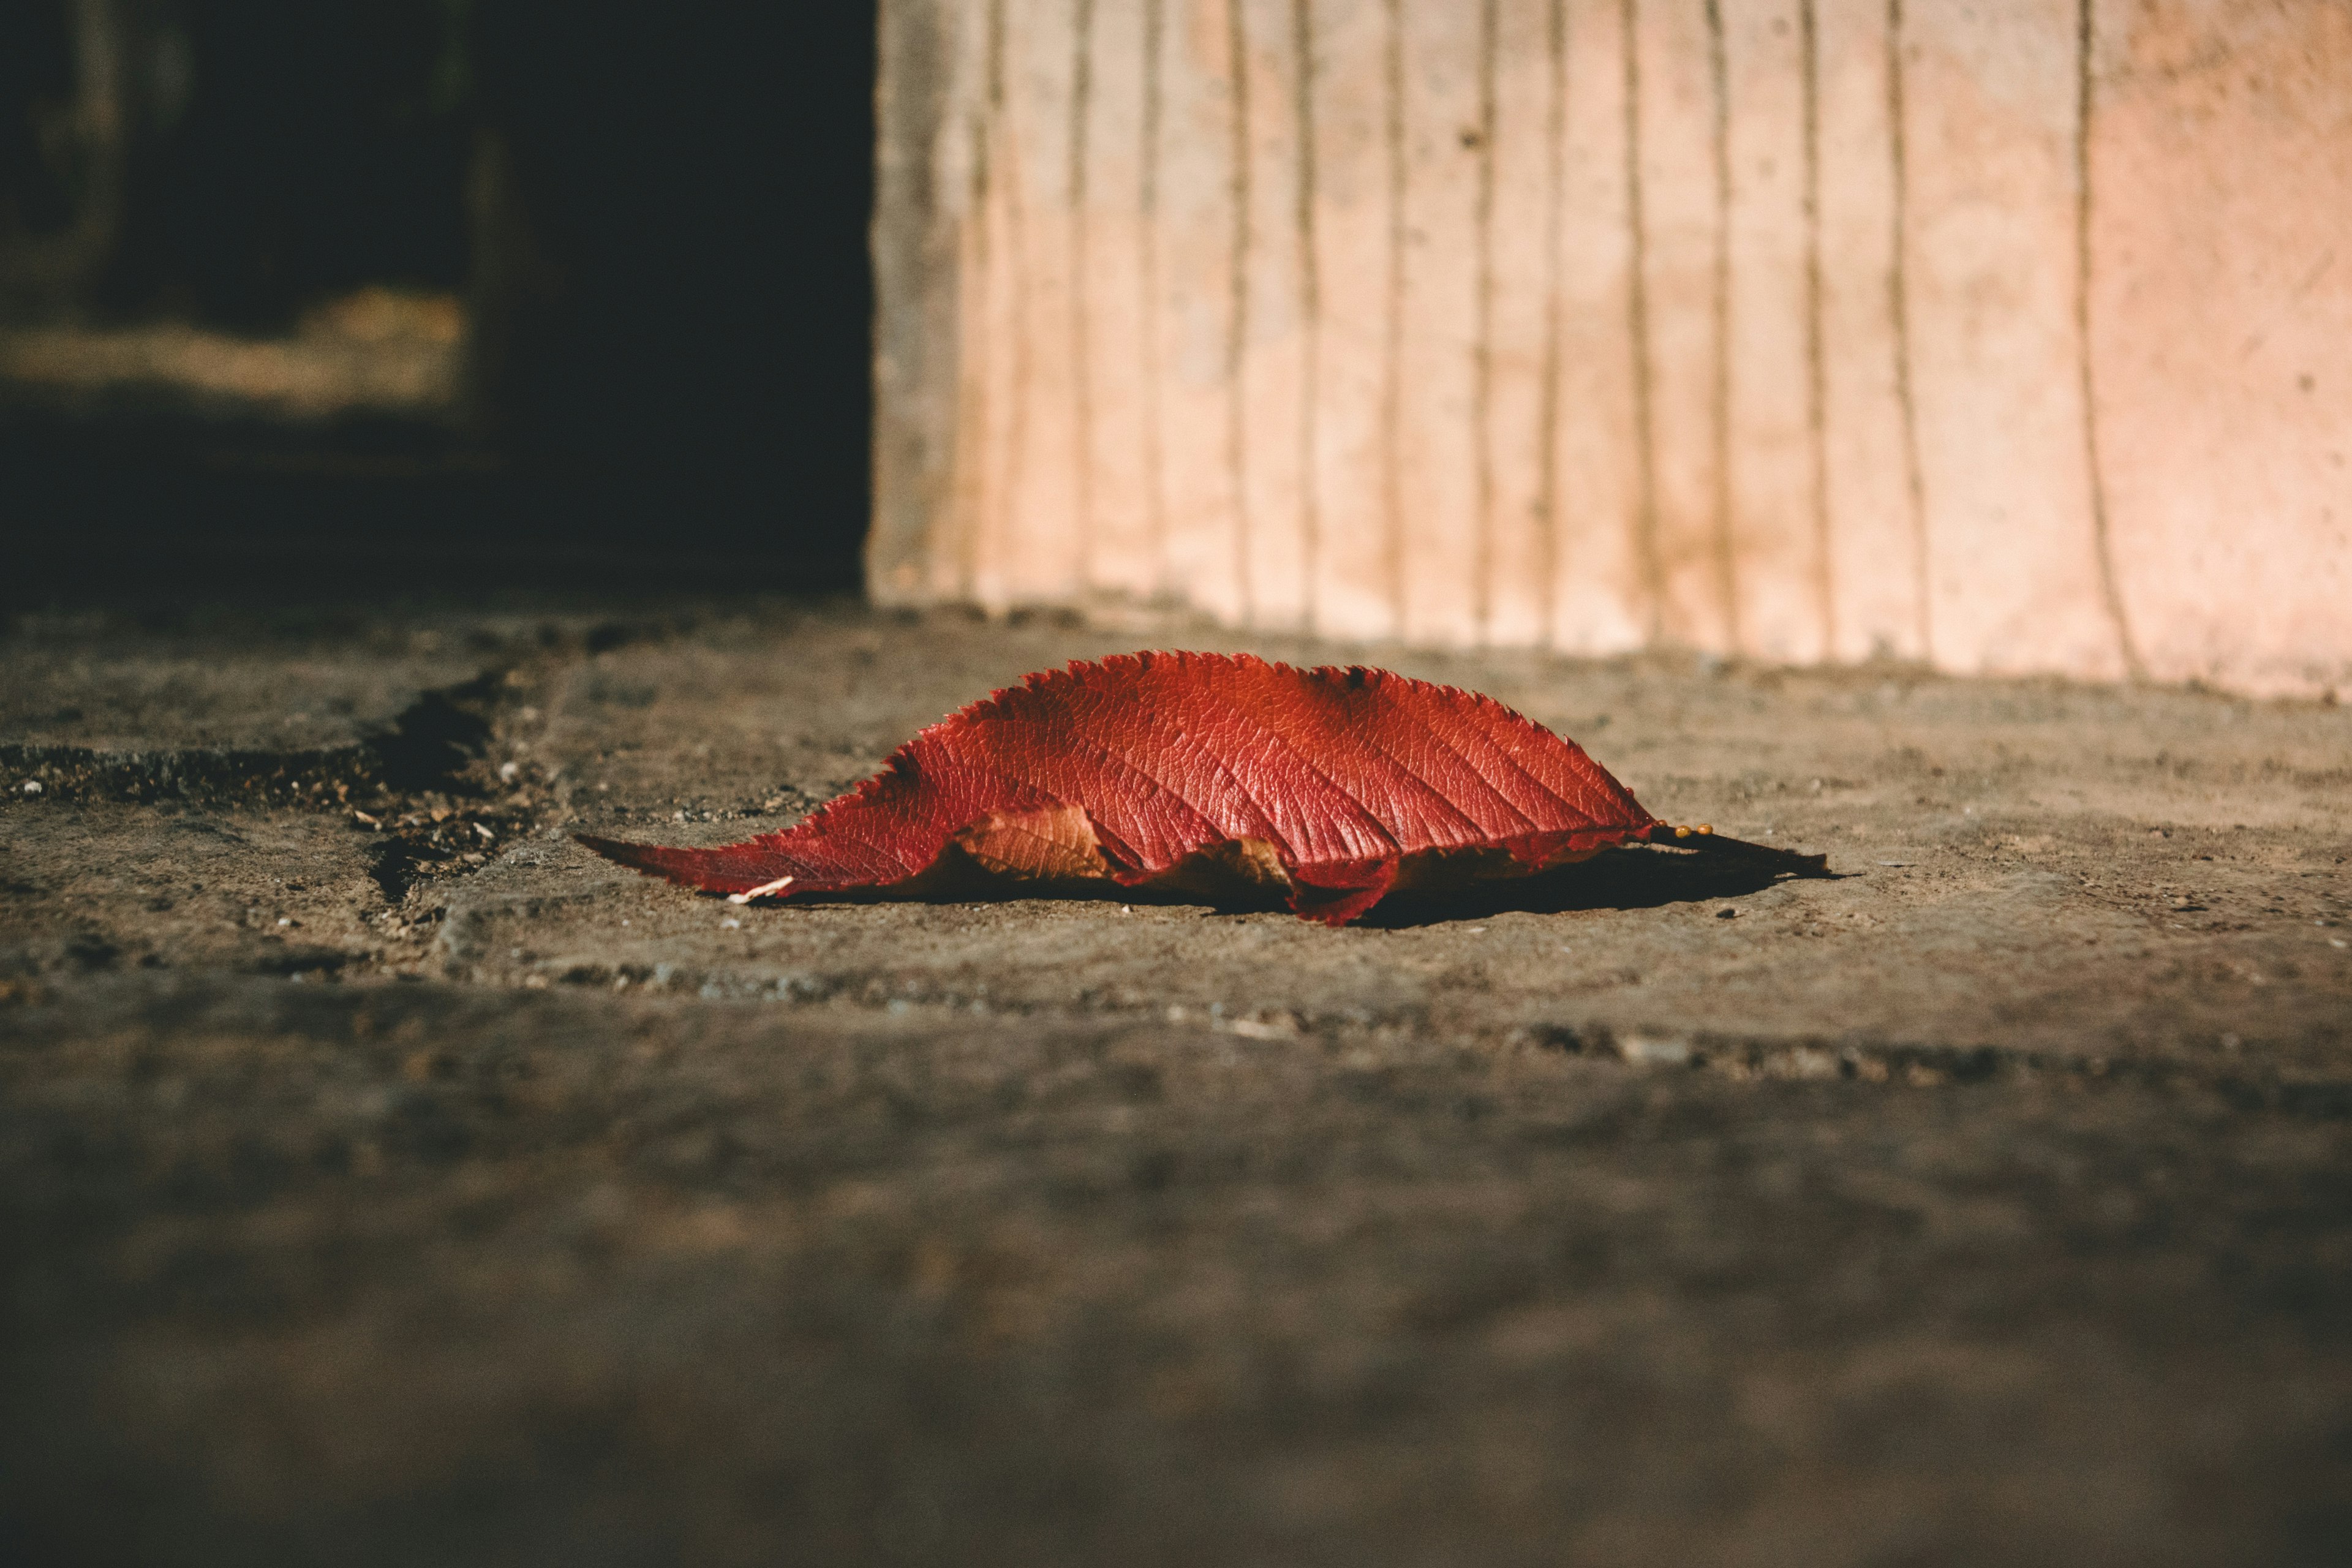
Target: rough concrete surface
x,y
387,1180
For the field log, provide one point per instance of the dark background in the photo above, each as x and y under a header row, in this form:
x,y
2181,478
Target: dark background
x,y
654,211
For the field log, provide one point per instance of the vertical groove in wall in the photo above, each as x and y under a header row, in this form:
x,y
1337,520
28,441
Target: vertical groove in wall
x,y
1816,366
971,428
1548,414
1082,369
919,320
1147,202
1237,323
1637,307
1016,264
1392,329
1482,590
1310,307
971,468
1899,303
1727,563
2101,539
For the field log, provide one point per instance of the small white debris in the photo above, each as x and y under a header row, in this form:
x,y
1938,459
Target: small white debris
x,y
778,886
2338,941
1649,1050
1474,931
284,921
731,924
32,786
484,829
509,772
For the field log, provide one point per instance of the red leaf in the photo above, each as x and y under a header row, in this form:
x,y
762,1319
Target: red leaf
x,y
1184,769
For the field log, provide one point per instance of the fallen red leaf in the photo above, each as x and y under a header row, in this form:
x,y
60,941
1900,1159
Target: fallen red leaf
x,y
1192,771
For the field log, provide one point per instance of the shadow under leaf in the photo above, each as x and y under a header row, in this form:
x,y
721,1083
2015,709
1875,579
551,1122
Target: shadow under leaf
x,y
1637,877
1469,885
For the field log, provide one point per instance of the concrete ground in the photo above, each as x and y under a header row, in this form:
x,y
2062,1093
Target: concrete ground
x,y
385,1179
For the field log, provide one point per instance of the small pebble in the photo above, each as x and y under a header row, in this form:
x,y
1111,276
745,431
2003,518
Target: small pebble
x,y
284,921
1727,914
32,786
730,925
484,829
509,772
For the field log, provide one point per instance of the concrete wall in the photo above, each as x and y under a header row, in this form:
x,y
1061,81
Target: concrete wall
x,y
2011,336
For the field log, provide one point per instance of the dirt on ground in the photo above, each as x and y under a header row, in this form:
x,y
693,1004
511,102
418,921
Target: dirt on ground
x,y
385,1178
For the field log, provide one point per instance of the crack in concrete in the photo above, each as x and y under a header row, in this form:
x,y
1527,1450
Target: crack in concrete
x,y
419,780
1764,1058
1754,1058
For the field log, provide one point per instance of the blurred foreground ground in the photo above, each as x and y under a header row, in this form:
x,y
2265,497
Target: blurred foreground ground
x,y
385,1179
